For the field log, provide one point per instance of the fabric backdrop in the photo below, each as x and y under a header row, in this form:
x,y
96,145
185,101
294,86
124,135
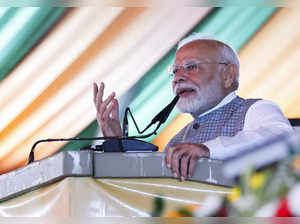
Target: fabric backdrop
x,y
50,57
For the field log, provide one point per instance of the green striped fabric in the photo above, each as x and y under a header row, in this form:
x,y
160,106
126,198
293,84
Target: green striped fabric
x,y
20,30
90,131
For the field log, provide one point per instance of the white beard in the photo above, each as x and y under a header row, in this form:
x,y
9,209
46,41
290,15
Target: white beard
x,y
205,97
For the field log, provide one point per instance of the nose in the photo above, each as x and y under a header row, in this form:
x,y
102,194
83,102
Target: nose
x,y
179,77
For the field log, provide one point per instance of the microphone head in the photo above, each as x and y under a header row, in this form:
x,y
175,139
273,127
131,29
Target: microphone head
x,y
170,107
164,114
175,99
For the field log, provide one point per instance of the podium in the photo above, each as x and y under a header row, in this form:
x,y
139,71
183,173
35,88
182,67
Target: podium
x,y
95,184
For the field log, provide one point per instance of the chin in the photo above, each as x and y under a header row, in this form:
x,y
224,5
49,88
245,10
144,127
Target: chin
x,y
190,105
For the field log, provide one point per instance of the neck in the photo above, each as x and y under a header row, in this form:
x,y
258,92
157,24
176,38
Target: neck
x,y
214,104
206,108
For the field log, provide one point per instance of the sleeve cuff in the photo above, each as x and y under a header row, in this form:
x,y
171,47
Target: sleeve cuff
x,y
216,150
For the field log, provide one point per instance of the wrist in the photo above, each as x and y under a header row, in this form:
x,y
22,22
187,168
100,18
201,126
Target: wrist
x,y
204,150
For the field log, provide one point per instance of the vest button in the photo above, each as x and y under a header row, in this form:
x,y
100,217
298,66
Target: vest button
x,y
196,126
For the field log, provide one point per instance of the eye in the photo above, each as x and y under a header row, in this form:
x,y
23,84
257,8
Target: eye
x,y
174,70
191,67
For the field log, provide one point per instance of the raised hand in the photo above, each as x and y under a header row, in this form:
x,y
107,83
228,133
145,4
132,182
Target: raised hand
x,y
107,112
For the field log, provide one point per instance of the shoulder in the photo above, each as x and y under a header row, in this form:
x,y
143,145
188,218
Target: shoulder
x,y
266,112
265,106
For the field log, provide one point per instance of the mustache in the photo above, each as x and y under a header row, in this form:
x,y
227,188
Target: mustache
x,y
178,87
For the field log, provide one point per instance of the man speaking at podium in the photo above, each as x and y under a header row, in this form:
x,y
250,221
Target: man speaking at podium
x,y
205,77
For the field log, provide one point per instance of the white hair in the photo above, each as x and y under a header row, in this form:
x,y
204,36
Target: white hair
x,y
227,52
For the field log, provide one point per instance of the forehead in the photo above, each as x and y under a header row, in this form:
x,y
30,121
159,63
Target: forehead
x,y
203,50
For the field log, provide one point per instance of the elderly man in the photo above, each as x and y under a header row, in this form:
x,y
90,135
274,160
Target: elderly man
x,y
205,76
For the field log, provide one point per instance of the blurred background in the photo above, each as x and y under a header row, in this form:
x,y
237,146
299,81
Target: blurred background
x,y
49,58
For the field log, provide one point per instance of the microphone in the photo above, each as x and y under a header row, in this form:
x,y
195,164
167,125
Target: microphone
x,y
125,143
164,114
161,117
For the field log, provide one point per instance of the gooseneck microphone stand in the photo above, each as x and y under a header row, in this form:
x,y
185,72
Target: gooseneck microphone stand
x,y
161,117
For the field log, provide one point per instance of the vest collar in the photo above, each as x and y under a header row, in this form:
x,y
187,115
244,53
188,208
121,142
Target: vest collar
x,y
227,99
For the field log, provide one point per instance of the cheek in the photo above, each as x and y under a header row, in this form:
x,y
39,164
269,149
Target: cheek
x,y
199,81
203,77
206,78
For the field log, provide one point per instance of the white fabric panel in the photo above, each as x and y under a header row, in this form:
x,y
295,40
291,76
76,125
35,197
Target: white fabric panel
x,y
119,197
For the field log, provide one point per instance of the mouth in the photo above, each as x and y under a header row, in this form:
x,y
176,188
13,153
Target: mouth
x,y
183,92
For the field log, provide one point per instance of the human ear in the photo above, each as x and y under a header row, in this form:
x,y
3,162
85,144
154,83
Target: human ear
x,y
229,75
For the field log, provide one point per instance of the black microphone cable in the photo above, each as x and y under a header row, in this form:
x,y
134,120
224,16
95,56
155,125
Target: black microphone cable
x,y
161,117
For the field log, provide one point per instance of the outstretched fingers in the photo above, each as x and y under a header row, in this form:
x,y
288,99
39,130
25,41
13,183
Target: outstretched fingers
x,y
103,106
112,111
115,111
106,114
98,94
95,91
